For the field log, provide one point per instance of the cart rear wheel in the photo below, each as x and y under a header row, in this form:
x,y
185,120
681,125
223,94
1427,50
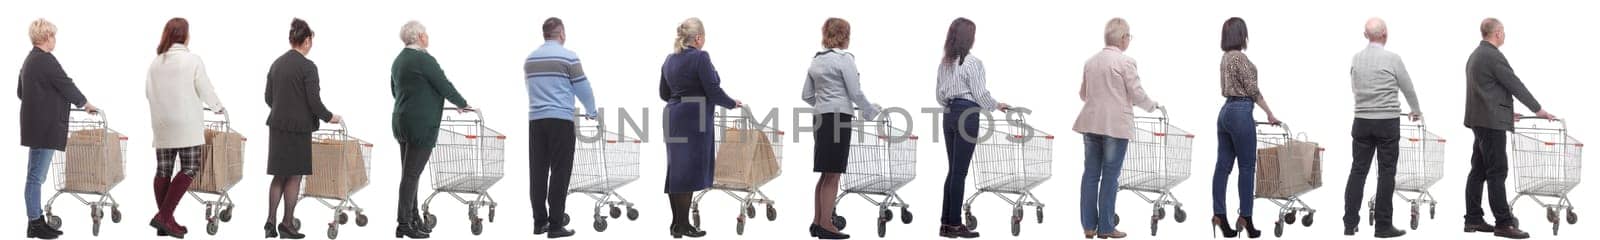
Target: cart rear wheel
x,y
361,220
740,227
616,212
772,213
1160,213
211,228
1016,225
600,225
1153,226
1288,218
1306,220
1179,215
1116,219
1550,215
1038,213
296,224
430,220
226,215
1277,229
1572,217
343,218
1415,221
750,211
884,215
96,230
972,221
491,214
116,215
54,221
1372,214
883,227
695,218
905,216
839,222
477,227
633,214
1555,229
333,231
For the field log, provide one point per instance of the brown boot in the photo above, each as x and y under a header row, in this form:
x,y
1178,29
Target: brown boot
x,y
174,195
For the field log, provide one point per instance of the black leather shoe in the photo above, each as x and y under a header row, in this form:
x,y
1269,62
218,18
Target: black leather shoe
x,y
554,232
272,230
286,232
38,229
1350,230
419,225
818,232
1510,231
957,231
409,231
1477,227
680,231
1388,232
538,228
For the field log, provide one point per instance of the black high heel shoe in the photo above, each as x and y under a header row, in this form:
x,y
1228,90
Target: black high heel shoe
x,y
272,229
680,231
1248,226
818,232
286,232
1219,222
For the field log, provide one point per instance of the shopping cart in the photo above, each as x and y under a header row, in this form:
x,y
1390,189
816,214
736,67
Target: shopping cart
x,y
1287,178
221,168
90,168
1421,165
342,164
1549,164
602,165
883,159
1157,161
746,190
468,158
1011,158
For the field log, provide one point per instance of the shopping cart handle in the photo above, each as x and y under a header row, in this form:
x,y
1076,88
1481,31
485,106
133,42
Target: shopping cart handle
x,y
1520,116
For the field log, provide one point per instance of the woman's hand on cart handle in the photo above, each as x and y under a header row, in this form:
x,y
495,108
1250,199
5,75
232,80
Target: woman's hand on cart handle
x,y
1273,120
336,119
586,116
1004,107
465,109
89,108
218,111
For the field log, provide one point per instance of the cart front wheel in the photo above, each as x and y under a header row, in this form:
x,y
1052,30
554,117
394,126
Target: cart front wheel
x,y
905,216
972,221
883,227
1415,221
600,225
1306,220
633,214
54,221
1038,213
772,213
1116,219
1179,215
491,214
477,227
740,227
333,231
695,218
1277,229
1016,226
116,215
1555,229
1572,217
361,220
1550,215
839,222
211,228
226,215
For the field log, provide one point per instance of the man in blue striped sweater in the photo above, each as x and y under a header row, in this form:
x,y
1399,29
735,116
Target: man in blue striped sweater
x,y
554,78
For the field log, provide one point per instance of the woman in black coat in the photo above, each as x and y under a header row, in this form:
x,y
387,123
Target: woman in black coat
x,y
690,85
294,95
47,96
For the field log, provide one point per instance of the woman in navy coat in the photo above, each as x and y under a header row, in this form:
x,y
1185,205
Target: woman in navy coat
x,y
690,86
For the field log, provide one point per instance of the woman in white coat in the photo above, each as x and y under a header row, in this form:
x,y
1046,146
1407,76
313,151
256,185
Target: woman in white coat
x,y
177,86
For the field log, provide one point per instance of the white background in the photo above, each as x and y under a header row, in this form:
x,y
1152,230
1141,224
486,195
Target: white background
x,y
1033,50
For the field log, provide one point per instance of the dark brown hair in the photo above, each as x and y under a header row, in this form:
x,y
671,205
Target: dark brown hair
x,y
958,43
1235,36
836,33
176,32
553,28
299,31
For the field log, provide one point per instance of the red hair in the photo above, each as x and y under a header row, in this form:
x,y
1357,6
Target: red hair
x,y
176,32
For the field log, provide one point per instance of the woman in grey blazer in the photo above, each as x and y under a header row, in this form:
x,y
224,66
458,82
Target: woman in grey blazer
x,y
832,87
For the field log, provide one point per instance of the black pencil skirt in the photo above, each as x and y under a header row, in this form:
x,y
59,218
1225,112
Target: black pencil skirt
x,y
832,152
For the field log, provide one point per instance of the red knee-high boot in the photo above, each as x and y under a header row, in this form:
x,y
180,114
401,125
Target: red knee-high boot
x,y
174,195
160,186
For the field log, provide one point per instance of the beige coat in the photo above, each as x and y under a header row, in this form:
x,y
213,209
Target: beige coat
x,y
1109,92
176,87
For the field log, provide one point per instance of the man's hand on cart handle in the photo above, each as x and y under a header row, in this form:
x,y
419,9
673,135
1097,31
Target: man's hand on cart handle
x,y
1415,116
1541,114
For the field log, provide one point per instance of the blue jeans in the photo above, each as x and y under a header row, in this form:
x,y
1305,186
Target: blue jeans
x,y
1236,139
958,150
1102,165
38,168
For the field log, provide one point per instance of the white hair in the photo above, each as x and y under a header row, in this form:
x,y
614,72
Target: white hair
x,y
1116,31
40,31
412,32
1376,28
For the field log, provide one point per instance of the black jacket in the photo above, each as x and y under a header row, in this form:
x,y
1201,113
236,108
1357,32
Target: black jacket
x,y
293,94
1491,84
47,96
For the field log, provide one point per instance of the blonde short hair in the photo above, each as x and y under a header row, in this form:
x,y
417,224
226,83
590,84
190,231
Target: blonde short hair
x,y
687,31
1116,31
41,30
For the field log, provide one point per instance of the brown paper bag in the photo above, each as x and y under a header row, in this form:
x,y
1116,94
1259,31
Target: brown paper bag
x,y
1288,170
222,160
338,169
93,161
745,159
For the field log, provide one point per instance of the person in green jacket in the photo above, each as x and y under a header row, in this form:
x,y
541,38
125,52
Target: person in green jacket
x,y
420,89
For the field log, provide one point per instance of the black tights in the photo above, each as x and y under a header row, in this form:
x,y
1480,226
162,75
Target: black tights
x,y
286,189
680,208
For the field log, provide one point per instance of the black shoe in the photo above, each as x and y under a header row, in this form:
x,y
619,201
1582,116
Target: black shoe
x,y
286,232
818,232
538,228
54,229
1248,226
553,232
957,231
1477,227
680,231
419,225
272,230
406,230
1350,230
1218,222
38,229
1510,231
1388,232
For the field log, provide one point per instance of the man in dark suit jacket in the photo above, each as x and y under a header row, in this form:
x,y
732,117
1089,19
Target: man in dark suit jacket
x,y
1491,84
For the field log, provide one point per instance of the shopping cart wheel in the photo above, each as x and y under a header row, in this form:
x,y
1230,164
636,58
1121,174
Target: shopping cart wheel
x,y
1016,225
1555,229
905,216
695,218
1414,221
491,214
616,212
1116,219
772,213
116,215
1179,215
1433,210
1306,220
566,218
839,222
633,214
1277,229
342,218
361,220
477,227
972,221
1572,217
1160,213
885,215
1550,214
1153,226
1038,213
211,227
883,227
740,227
296,224
53,220
226,215
333,231
1289,217
750,211
427,219
1371,219
599,225
96,230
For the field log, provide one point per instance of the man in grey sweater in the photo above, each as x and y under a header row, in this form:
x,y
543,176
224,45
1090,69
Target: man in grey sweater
x,y
1377,77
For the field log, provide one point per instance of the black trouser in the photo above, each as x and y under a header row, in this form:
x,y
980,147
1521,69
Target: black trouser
x,y
1488,166
1380,137
413,158
551,143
